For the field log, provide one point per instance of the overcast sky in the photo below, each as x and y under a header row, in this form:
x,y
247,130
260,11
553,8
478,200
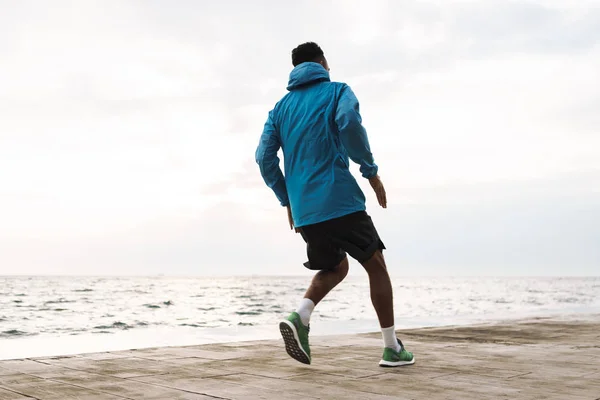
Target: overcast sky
x,y
128,131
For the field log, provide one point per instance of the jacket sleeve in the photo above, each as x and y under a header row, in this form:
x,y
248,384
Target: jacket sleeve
x,y
353,135
268,162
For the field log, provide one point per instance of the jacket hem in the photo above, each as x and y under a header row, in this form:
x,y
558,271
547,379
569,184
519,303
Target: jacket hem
x,y
326,217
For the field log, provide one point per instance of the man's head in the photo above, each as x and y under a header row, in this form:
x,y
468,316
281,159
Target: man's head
x,y
309,52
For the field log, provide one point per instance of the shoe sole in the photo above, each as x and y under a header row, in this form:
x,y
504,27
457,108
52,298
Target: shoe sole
x,y
292,342
390,364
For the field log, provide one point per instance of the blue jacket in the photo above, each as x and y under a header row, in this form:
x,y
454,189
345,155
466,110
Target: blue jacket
x,y
318,127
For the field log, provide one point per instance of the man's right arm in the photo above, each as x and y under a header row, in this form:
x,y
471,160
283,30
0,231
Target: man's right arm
x,y
352,133
268,162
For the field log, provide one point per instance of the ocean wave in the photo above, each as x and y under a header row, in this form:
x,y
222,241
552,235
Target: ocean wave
x,y
46,307
136,291
257,312
14,333
115,325
60,301
534,302
164,303
569,300
197,325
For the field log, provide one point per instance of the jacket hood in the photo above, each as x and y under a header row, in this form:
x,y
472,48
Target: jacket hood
x,y
307,73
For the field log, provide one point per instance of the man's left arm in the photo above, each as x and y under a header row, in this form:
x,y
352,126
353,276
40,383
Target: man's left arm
x,y
268,162
352,133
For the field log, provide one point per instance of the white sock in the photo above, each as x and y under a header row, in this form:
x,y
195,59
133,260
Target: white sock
x,y
389,338
305,308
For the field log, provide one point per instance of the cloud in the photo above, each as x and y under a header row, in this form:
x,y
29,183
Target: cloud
x,y
140,119
531,227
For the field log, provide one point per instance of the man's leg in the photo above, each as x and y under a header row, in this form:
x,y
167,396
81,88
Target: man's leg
x,y
322,256
383,301
381,289
323,282
295,328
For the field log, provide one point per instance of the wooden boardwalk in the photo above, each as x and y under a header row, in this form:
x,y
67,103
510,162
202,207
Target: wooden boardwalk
x,y
531,359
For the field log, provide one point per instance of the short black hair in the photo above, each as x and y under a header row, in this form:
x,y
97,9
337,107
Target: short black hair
x,y
306,52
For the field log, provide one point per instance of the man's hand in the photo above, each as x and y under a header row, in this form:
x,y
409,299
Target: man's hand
x,y
377,186
291,219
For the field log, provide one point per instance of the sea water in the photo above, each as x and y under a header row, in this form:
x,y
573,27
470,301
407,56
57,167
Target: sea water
x,y
45,316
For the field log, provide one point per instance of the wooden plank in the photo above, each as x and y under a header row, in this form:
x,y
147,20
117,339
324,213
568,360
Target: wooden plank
x,y
543,358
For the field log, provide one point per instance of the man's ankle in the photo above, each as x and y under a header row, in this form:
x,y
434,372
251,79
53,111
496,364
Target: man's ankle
x,y
305,309
389,338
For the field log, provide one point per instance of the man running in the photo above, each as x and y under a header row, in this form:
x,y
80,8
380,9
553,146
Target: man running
x,y
318,126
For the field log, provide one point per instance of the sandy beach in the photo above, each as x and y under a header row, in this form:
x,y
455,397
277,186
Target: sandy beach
x,y
539,358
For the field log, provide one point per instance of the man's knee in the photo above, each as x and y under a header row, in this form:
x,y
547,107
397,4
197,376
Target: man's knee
x,y
375,262
342,268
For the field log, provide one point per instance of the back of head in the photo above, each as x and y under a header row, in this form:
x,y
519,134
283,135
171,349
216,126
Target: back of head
x,y
307,52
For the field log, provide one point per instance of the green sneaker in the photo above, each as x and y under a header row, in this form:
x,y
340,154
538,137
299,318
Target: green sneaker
x,y
295,337
393,358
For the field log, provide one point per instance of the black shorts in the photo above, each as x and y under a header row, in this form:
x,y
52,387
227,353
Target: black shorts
x,y
328,242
